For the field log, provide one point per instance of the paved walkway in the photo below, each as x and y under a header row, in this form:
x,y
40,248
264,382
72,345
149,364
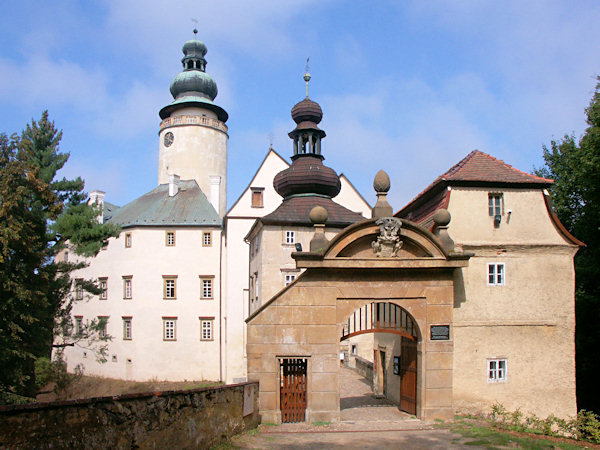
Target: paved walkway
x,y
366,422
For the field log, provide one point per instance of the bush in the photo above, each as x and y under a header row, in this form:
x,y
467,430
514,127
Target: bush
x,y
587,426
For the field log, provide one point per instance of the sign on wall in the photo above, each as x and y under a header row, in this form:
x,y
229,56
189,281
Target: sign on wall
x,y
440,332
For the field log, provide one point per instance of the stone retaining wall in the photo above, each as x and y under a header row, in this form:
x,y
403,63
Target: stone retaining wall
x,y
196,418
364,367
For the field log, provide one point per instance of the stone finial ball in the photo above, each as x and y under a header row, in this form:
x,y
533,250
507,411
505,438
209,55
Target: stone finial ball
x,y
318,215
441,217
381,183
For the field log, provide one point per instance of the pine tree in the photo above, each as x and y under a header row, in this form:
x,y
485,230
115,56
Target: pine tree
x,y
38,216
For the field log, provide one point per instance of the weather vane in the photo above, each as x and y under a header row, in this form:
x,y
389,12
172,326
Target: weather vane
x,y
307,76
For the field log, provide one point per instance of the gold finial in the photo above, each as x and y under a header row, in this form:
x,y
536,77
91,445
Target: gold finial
x,y
306,76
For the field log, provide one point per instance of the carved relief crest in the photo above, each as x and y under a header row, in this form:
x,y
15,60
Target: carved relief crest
x,y
388,242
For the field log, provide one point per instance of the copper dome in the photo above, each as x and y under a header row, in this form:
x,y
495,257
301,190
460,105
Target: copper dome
x,y
307,111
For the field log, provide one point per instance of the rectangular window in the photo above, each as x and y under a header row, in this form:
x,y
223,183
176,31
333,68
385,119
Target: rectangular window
x,y
206,328
496,274
170,238
103,285
79,289
127,328
102,325
256,244
257,197
496,370
289,277
256,286
127,240
495,204
206,239
206,286
78,325
127,287
169,287
169,328
290,237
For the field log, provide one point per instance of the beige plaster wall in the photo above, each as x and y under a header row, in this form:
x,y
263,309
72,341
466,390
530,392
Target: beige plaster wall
x,y
147,355
391,345
307,319
197,153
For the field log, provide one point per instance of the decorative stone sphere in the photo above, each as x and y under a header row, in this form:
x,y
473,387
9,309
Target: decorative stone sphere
x,y
318,215
441,217
381,183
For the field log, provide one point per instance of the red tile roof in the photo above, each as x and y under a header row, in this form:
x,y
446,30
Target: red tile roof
x,y
476,169
295,210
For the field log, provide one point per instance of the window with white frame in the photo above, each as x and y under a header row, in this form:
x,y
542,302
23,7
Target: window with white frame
x,y
206,286
169,328
206,239
103,285
206,328
127,328
495,205
496,370
170,239
127,287
102,325
79,289
289,277
169,287
78,325
496,274
290,237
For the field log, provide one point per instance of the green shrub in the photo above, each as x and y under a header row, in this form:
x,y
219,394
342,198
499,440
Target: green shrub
x,y
587,426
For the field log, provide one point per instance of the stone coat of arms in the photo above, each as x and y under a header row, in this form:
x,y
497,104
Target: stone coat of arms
x,y
388,242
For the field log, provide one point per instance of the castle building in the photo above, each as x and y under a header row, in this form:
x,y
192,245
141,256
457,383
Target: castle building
x,y
463,298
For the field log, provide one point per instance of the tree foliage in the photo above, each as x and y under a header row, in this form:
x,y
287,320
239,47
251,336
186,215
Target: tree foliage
x,y
39,215
575,167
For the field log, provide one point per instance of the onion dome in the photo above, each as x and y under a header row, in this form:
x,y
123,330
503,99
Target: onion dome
x,y
193,86
307,175
307,111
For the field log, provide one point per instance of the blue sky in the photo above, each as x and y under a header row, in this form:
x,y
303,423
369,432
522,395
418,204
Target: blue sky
x,y
411,87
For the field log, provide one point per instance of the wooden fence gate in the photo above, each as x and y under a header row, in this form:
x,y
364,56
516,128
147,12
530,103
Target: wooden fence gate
x,y
408,376
292,375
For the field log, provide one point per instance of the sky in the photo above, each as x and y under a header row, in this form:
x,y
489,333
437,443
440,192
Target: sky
x,y
411,87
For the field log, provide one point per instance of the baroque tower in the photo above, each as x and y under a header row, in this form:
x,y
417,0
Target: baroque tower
x,y
193,135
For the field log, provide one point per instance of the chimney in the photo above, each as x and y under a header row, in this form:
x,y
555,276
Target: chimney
x,y
215,192
173,185
97,198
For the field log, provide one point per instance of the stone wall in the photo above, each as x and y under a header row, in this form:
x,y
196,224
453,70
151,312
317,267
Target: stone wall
x,y
197,418
364,368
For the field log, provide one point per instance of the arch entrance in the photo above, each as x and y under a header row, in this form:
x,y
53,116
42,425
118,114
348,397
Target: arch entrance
x,y
379,343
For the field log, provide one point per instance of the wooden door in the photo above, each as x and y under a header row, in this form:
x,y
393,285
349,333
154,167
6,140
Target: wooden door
x,y
408,376
292,373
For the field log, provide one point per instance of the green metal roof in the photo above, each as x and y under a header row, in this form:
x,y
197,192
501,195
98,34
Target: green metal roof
x,y
189,207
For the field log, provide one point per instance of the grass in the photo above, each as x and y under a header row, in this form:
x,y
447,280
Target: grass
x,y
478,432
321,424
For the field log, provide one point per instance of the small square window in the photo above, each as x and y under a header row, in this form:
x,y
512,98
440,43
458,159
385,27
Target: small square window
x,y
79,289
353,350
289,277
127,287
257,197
127,240
496,274
127,328
102,326
206,328
290,237
169,328
496,370
78,325
103,285
206,239
170,287
206,287
170,239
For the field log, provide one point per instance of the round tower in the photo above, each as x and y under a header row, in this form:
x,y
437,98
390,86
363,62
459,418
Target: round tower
x,y
193,135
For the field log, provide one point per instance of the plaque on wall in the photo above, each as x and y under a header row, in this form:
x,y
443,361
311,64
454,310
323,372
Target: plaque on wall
x,y
440,332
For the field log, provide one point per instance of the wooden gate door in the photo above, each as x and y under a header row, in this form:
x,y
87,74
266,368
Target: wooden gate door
x,y
292,373
408,376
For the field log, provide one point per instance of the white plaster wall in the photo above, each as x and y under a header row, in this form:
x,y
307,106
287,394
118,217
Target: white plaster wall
x,y
197,152
351,199
147,261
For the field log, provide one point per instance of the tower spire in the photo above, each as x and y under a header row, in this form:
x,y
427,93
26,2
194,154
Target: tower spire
x,y
306,76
